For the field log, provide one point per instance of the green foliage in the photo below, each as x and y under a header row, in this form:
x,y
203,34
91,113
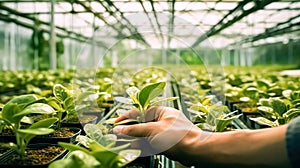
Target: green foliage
x,y
217,119
20,109
145,98
276,111
98,150
64,102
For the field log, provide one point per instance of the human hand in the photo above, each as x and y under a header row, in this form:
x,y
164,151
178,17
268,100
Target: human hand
x,y
167,131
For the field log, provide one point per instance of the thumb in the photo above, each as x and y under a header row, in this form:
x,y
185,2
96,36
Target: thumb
x,y
136,130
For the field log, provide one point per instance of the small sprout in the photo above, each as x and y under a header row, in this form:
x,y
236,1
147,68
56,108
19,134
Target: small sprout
x,y
99,150
145,98
19,110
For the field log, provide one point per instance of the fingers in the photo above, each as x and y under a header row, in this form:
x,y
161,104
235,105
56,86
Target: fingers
x,y
151,114
136,130
133,113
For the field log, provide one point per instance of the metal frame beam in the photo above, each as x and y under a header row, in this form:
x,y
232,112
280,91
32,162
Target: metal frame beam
x,y
233,16
157,21
132,29
61,32
171,22
148,16
281,28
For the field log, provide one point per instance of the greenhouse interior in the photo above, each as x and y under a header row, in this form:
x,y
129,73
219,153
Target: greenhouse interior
x,y
73,71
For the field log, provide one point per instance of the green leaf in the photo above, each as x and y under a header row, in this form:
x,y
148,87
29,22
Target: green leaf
x,y
200,108
292,113
133,94
250,92
207,100
109,139
45,123
73,147
69,103
95,146
296,103
27,120
222,123
275,91
76,159
84,140
200,125
278,106
84,160
60,92
264,121
149,92
8,112
295,95
266,109
37,108
287,93
23,99
264,102
120,148
105,157
263,84
128,156
93,132
36,131
53,102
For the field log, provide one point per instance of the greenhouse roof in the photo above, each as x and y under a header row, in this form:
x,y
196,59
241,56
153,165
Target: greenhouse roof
x,y
163,23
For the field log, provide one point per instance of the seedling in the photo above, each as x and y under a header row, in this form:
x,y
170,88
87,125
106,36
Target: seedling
x,y
99,150
145,98
217,119
276,111
64,102
16,111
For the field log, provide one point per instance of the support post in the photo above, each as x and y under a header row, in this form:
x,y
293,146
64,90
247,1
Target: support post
x,y
53,59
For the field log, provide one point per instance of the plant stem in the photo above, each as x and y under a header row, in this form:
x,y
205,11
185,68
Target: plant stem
x,y
20,143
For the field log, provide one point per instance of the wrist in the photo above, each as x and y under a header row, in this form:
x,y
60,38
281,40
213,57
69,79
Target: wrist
x,y
193,147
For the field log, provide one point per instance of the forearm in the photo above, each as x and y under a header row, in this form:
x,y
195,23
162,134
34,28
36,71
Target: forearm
x,y
246,147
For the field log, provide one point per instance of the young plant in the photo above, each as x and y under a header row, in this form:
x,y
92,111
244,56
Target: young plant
x,y
99,150
17,111
276,111
104,92
200,110
64,102
217,119
145,98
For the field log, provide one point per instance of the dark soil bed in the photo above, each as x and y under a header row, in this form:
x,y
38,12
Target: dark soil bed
x,y
7,132
62,132
36,156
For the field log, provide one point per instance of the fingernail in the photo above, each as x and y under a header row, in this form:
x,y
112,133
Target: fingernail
x,y
118,129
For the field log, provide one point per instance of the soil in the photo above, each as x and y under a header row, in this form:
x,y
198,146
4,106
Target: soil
x,y
82,119
37,156
7,132
62,132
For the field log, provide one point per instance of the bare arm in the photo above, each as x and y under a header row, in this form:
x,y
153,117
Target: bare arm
x,y
180,140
